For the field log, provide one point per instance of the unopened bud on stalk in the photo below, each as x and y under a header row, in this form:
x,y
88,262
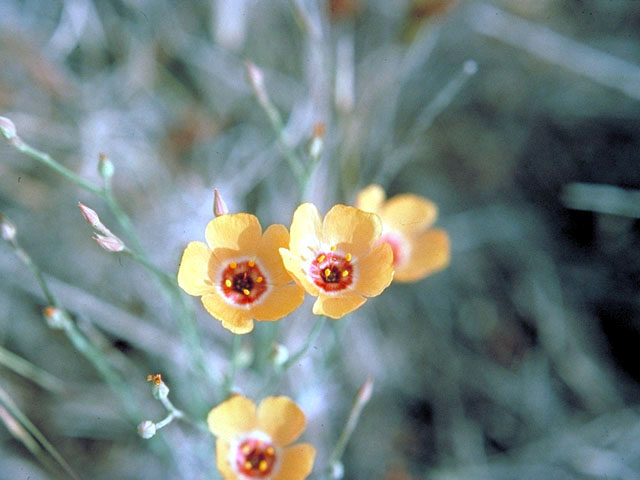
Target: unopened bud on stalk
x,y
219,206
336,470
56,318
159,389
364,394
7,229
256,79
317,141
91,217
105,167
7,128
110,243
279,354
147,429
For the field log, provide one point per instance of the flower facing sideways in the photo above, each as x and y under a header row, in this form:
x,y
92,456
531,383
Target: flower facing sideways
x,y
255,443
418,250
337,259
239,274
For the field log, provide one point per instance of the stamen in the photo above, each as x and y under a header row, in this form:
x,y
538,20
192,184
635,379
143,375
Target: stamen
x,y
263,465
345,273
348,257
320,258
327,272
259,279
251,263
246,449
246,291
228,283
248,465
233,265
271,451
333,248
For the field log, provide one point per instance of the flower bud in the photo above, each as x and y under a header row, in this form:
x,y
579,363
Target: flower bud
x,y
147,429
317,141
91,217
219,206
159,389
7,128
336,470
364,394
256,79
7,229
279,354
105,167
110,243
56,318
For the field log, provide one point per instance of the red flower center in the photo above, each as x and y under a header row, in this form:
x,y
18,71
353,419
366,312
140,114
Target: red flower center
x,y
243,283
332,272
255,458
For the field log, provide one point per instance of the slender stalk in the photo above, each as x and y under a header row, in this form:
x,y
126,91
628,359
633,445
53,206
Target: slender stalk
x,y
28,370
310,339
12,408
228,381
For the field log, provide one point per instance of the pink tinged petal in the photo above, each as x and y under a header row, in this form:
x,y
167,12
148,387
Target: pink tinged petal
x,y
338,306
374,272
281,419
235,319
297,462
294,266
351,230
239,232
193,272
280,301
232,417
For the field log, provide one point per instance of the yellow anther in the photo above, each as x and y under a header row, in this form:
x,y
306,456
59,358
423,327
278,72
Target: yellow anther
x,y
233,265
327,272
271,451
333,248
263,466
259,279
320,258
345,273
251,263
246,449
246,291
228,283
348,257
248,465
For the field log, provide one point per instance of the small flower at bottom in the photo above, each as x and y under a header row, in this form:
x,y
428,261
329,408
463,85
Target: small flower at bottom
x,y
337,259
418,250
256,442
240,275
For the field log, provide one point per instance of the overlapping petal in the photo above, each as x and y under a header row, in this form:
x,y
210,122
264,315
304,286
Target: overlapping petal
x,y
371,198
306,229
274,238
297,462
232,417
281,419
193,272
350,229
295,267
430,252
281,302
409,214
375,271
237,320
338,306
237,232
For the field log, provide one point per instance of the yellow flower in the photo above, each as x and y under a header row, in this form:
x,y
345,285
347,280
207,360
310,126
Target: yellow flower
x,y
417,249
240,275
337,259
255,443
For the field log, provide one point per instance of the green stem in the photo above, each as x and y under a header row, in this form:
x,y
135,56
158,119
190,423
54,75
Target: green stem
x,y
310,339
228,381
28,370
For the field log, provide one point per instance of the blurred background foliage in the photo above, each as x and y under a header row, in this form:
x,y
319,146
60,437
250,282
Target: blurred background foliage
x,y
518,361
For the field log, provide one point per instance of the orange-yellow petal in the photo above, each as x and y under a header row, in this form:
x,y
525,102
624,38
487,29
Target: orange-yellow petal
x,y
294,266
193,272
274,238
236,320
408,213
281,419
297,462
375,271
338,306
430,252
306,228
222,460
239,232
280,301
351,230
232,417
371,199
